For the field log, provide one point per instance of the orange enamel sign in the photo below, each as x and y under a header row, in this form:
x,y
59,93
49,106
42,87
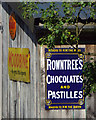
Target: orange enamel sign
x,y
12,26
18,64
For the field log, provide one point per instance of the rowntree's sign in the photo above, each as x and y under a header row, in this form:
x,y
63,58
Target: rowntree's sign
x,y
64,80
18,64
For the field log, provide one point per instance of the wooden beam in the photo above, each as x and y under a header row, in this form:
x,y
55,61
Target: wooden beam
x,y
0,60
15,8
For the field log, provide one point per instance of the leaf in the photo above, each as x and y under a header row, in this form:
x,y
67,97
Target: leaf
x,y
55,23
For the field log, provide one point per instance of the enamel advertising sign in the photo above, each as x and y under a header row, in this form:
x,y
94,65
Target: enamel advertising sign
x,y
18,64
64,80
12,26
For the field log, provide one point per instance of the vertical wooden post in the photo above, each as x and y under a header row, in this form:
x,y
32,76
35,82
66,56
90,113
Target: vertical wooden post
x,y
0,60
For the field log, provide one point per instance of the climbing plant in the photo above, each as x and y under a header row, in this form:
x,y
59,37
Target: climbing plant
x,y
58,27
89,72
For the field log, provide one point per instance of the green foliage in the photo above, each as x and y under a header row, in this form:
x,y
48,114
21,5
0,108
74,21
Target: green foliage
x,y
58,25
89,72
58,28
29,8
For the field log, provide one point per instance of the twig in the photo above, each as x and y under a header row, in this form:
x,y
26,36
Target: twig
x,y
81,29
70,44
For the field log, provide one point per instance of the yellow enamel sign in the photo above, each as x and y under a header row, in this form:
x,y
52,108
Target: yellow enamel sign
x,y
18,64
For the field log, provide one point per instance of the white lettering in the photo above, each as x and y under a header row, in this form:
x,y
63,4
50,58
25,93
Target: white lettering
x,y
74,64
65,94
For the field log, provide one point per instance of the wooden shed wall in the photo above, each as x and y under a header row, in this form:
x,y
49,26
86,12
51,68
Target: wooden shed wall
x,y
22,100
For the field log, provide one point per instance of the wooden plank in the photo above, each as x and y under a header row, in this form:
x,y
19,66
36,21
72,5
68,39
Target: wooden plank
x,y
40,74
10,88
0,61
37,93
9,82
32,104
25,85
34,74
34,85
5,69
14,83
36,77
21,83
18,83
29,98
38,83
7,20
43,112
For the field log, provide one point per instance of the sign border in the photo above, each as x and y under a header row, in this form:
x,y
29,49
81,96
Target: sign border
x,y
49,55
